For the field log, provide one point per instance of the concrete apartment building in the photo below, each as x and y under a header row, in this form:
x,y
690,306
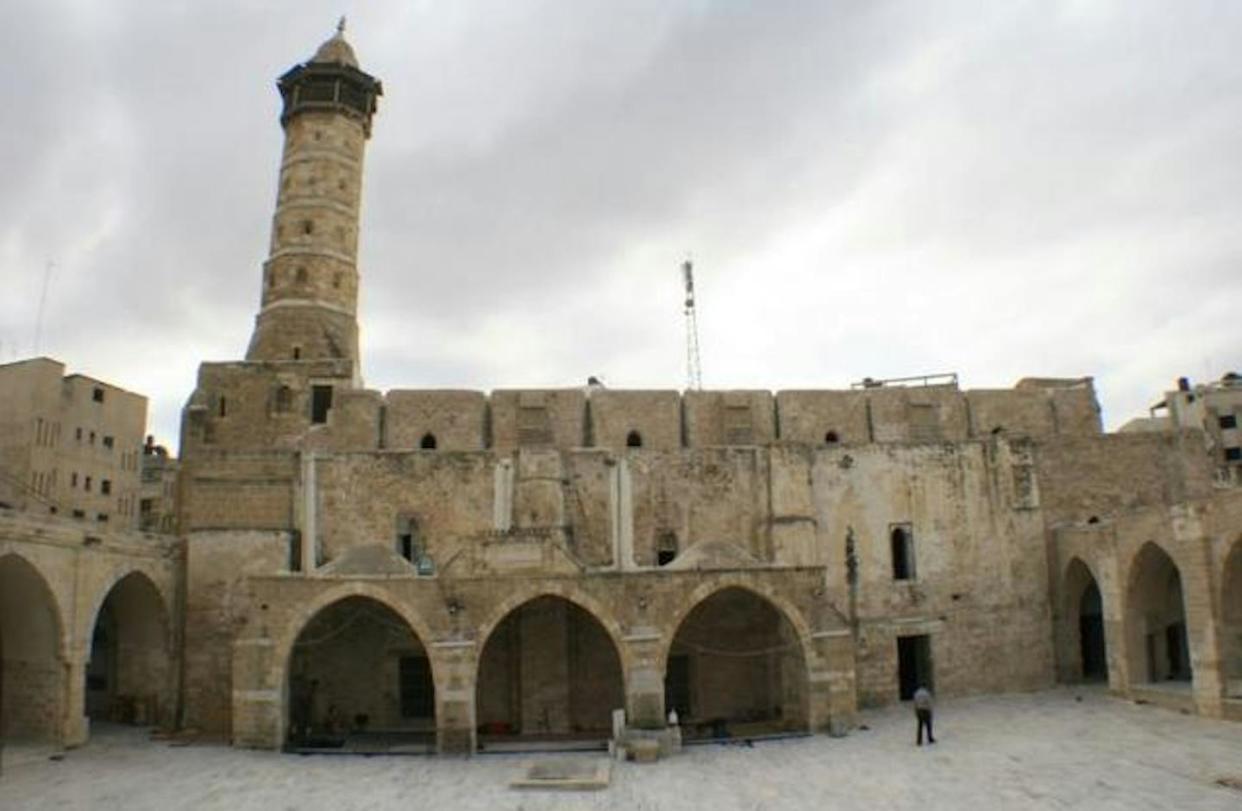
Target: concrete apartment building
x,y
70,445
455,570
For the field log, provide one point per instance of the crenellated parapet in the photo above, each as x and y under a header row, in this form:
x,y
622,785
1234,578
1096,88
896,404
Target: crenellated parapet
x,y
313,403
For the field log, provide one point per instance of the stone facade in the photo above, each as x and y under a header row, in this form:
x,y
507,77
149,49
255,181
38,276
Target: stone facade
x,y
458,569
654,549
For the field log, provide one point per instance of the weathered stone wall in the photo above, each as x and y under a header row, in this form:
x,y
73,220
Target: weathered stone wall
x,y
1081,477
240,490
652,417
979,588
538,418
456,419
219,603
729,418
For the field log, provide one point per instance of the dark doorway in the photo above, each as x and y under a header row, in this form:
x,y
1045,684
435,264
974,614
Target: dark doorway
x,y
677,686
1091,635
1178,651
914,664
418,690
321,402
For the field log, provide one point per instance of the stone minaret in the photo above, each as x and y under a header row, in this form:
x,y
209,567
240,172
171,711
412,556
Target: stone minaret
x,y
310,279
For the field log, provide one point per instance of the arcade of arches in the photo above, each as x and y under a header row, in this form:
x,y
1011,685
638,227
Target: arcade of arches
x,y
67,664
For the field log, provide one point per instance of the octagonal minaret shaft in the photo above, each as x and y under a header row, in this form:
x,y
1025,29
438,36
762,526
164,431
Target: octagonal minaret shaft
x,y
310,279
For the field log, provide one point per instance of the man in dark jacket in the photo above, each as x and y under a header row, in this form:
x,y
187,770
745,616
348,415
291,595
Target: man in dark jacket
x,y
923,711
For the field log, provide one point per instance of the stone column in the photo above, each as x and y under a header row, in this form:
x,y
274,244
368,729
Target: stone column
x,y
1203,629
832,703
644,681
259,712
455,664
1113,603
74,725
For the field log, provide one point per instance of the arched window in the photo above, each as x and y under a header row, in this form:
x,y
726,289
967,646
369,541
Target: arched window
x,y
831,438
408,543
301,275
428,442
634,440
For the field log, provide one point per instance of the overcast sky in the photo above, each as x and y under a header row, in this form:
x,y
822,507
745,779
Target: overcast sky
x,y
867,188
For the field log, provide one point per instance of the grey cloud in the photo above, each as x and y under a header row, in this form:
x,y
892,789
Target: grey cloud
x,y
881,188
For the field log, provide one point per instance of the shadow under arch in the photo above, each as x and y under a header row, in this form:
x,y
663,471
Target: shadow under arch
x,y
1083,618
356,673
737,664
1231,620
1157,640
127,648
549,669
32,648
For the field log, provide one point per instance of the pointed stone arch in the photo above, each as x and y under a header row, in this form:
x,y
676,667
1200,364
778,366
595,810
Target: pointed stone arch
x,y
704,590
1231,620
127,649
1083,622
549,667
32,654
1157,640
360,635
737,657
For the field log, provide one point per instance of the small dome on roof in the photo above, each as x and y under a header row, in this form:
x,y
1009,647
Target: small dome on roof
x,y
337,50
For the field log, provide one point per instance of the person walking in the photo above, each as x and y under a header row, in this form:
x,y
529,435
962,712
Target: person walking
x,y
923,711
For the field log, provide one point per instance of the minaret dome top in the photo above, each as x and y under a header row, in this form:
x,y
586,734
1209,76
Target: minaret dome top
x,y
336,50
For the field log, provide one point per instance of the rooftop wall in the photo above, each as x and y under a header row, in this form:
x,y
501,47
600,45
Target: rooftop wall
x,y
246,406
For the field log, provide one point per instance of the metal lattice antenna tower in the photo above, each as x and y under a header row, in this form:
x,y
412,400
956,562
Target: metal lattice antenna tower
x,y
694,371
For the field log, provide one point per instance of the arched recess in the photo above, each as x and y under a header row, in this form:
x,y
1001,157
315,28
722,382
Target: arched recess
x,y
128,663
1156,633
549,670
31,675
1231,620
1084,623
360,678
737,666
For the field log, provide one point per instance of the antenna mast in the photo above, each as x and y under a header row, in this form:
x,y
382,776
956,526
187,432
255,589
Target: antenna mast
x,y
47,278
694,371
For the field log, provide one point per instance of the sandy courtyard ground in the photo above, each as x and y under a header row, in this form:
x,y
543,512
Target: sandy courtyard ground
x,y
1043,750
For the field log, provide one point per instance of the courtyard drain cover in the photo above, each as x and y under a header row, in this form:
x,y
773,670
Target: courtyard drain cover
x,y
567,774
